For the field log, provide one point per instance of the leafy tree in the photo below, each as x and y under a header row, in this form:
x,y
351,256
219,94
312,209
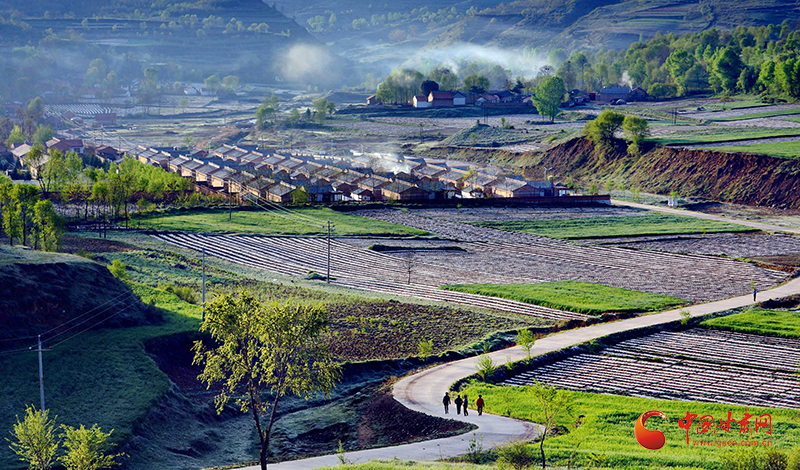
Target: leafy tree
x,y
725,71
635,130
35,109
119,270
323,108
43,134
48,226
475,84
678,64
549,95
554,404
601,130
213,83
230,84
525,340
260,348
36,442
87,449
428,86
445,77
15,137
485,365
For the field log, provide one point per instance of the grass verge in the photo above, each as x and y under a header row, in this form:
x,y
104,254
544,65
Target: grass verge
x,y
765,114
784,323
604,436
727,136
575,296
298,221
617,226
774,149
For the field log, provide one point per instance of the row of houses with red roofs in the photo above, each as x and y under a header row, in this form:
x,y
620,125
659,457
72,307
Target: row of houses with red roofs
x,y
250,174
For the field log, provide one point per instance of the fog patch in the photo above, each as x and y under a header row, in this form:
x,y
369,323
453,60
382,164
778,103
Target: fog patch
x,y
308,63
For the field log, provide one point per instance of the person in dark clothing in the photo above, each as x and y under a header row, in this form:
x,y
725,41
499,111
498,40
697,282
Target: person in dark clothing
x,y
755,291
457,401
479,404
446,402
466,401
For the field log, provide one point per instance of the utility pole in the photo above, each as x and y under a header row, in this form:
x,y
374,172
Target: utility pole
x,y
204,284
328,276
41,375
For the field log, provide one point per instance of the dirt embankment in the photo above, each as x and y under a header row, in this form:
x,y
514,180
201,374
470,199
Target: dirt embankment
x,y
738,178
41,292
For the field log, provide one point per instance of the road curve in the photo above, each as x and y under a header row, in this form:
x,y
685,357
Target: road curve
x,y
423,391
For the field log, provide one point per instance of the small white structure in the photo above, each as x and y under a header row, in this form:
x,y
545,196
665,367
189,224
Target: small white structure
x,y
421,101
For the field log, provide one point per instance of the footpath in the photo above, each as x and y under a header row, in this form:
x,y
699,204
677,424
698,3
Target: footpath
x,y
423,391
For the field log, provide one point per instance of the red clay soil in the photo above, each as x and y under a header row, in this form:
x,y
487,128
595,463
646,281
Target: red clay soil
x,y
738,178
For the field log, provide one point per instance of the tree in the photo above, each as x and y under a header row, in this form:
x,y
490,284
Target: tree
x,y
554,404
323,108
48,226
635,130
87,449
476,84
260,348
428,86
725,71
549,95
212,83
43,134
525,340
230,84
601,130
15,137
36,441
678,64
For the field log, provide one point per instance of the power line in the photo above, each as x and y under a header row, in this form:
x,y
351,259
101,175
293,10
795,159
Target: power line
x,y
92,326
88,319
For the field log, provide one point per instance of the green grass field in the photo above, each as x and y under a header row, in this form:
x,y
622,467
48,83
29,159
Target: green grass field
x,y
726,135
765,114
621,226
606,435
574,296
785,323
301,221
775,149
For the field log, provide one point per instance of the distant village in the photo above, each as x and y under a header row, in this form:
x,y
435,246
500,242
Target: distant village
x,y
505,99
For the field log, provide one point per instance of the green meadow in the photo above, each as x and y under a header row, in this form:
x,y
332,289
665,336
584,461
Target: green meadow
x,y
297,221
785,323
617,226
575,296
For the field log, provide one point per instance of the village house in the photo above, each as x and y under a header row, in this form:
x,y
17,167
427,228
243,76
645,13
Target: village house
x,y
402,191
514,188
105,119
613,94
440,99
421,101
65,145
280,192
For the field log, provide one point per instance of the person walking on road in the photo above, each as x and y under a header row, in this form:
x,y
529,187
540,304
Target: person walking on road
x,y
755,291
479,404
466,400
457,401
446,402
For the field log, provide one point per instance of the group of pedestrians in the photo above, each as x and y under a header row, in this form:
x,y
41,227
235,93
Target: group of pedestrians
x,y
462,403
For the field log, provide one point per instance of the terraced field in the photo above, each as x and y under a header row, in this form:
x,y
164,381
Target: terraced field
x,y
698,364
351,267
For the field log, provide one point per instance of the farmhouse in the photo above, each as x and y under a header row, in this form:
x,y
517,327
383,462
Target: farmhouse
x,y
421,101
402,191
515,188
440,99
613,94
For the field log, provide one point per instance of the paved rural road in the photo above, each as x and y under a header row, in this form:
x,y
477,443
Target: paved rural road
x,y
423,391
700,215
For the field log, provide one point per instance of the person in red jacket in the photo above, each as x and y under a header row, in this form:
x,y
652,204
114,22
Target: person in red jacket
x,y
479,404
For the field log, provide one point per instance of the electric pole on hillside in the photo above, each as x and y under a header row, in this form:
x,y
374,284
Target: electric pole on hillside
x,y
41,373
330,227
204,284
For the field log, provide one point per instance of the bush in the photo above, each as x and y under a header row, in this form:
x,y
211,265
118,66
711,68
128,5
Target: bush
x,y
184,293
517,455
485,366
119,270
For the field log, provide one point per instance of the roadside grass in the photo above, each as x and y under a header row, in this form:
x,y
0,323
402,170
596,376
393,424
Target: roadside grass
x,y
725,136
605,433
784,323
617,226
100,376
764,114
792,119
775,149
575,296
298,221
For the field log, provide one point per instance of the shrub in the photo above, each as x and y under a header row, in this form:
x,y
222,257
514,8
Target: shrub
x,y
517,455
425,349
485,366
184,293
119,270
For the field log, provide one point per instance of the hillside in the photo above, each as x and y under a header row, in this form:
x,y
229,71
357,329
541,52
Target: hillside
x,y
181,41
449,29
44,292
739,178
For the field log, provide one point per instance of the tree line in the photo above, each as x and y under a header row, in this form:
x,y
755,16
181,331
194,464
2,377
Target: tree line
x,y
756,59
